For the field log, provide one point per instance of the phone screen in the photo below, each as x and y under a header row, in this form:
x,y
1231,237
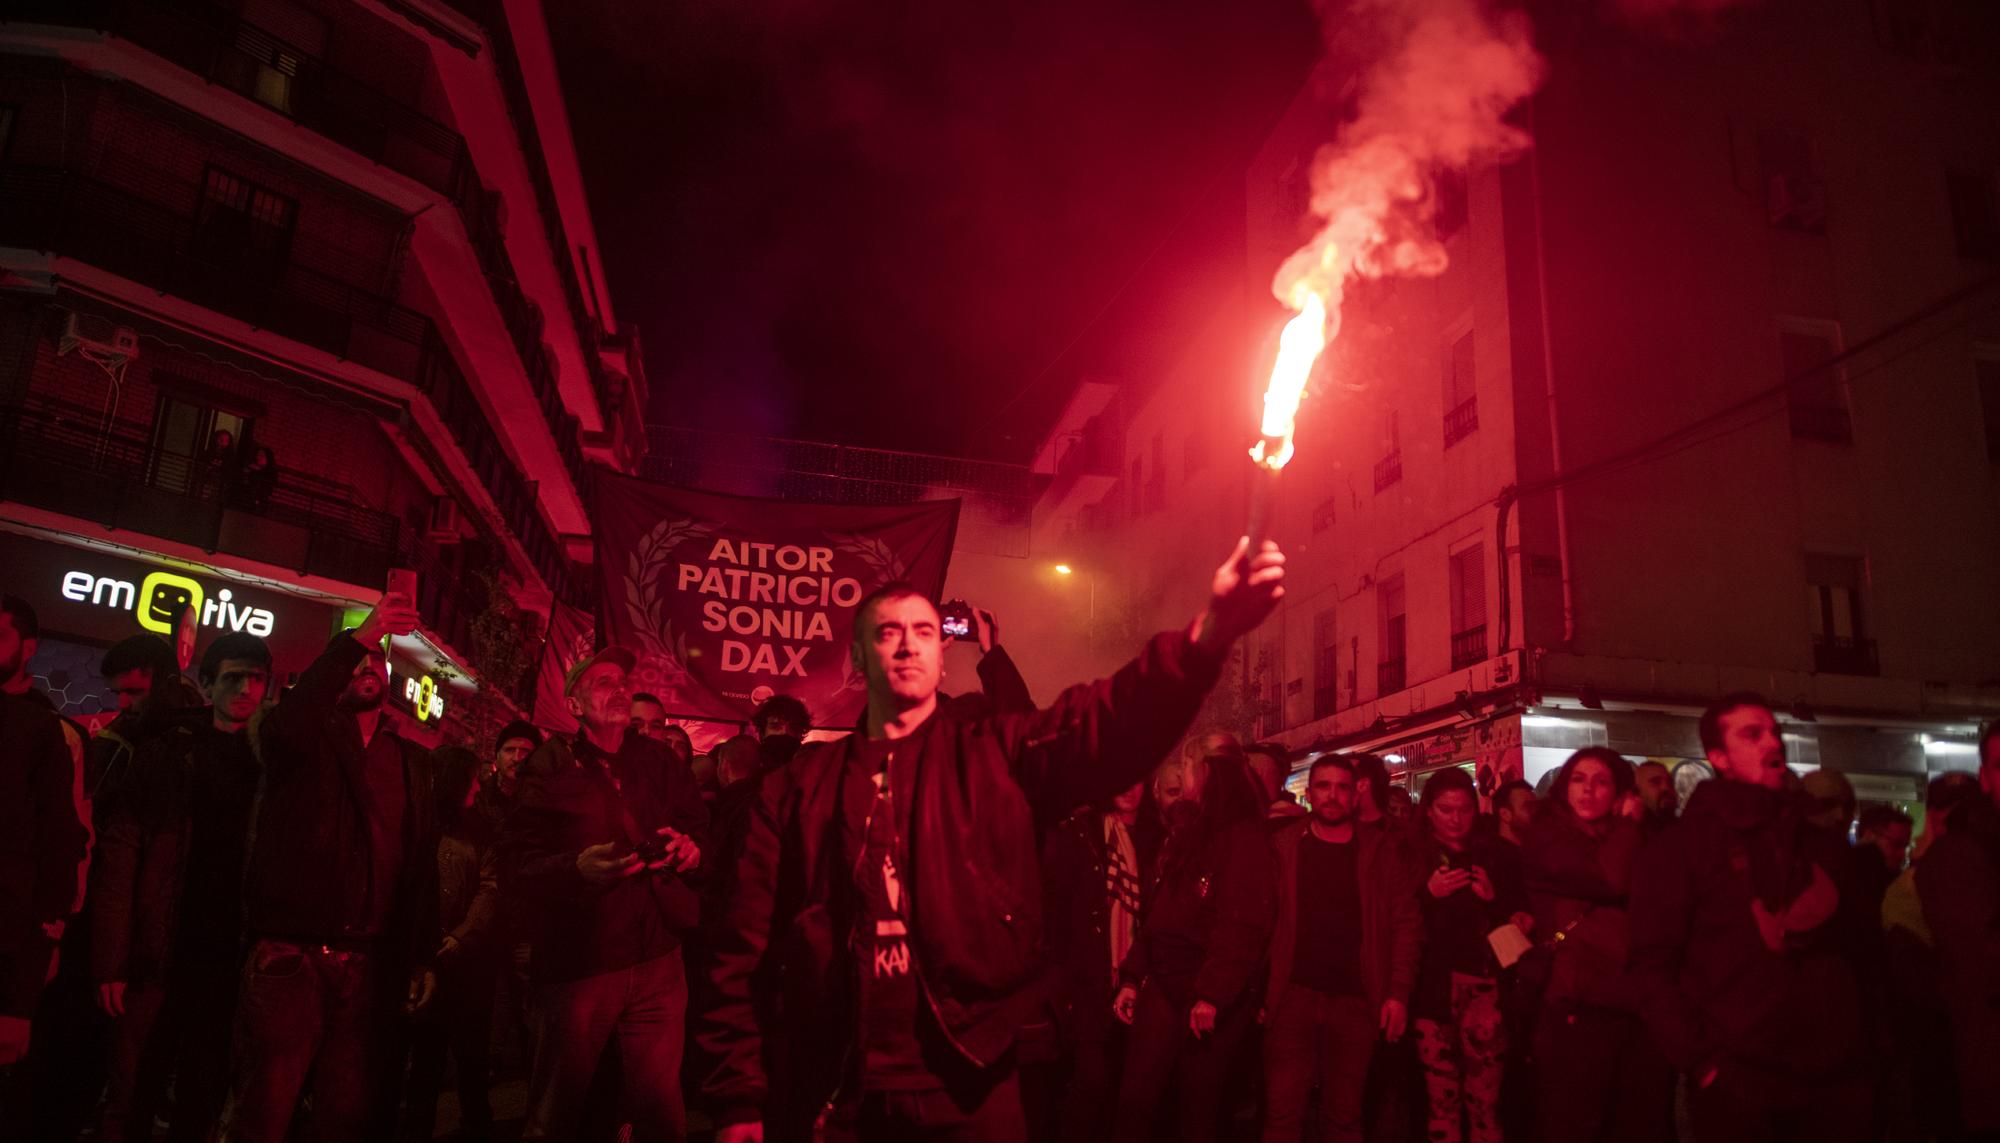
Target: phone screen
x,y
958,627
403,581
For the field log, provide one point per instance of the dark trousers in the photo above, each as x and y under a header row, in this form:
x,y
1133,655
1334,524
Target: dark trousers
x,y
1090,1086
52,1093
1736,1109
459,1020
644,1010
1312,1039
310,1013
179,1032
982,1114
1602,1080
1162,1056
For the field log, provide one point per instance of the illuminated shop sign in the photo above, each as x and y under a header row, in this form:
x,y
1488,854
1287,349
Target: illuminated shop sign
x,y
425,697
161,595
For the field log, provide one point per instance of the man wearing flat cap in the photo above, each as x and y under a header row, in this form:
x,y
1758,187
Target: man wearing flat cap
x,y
598,850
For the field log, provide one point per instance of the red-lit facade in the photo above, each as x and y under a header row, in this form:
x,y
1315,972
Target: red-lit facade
x,y
351,233
1700,221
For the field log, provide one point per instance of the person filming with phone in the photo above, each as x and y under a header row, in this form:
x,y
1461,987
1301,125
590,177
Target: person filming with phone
x,y
343,854
597,854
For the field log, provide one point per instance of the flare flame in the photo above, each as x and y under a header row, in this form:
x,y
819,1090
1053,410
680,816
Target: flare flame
x,y
1299,348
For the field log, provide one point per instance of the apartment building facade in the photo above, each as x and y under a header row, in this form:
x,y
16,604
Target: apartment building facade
x,y
1708,400
293,292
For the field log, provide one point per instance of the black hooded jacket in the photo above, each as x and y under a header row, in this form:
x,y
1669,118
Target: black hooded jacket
x,y
1714,990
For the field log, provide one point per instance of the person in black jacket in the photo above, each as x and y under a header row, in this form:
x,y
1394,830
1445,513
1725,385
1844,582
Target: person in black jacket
x,y
1189,987
1958,883
342,863
1744,945
1094,869
1601,1079
465,933
1473,887
166,900
889,908
46,819
597,853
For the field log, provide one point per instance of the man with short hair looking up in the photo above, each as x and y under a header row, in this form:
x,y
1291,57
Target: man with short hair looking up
x,y
907,1008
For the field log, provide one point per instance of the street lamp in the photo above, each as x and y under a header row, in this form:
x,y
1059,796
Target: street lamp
x,y
1064,569
1090,580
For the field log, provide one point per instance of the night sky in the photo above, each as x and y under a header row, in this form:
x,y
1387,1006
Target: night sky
x,y
879,224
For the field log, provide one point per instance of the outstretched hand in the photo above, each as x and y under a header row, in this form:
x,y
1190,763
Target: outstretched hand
x,y
1245,591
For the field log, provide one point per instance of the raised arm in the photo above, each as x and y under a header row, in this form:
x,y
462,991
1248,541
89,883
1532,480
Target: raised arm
x,y
1098,738
301,713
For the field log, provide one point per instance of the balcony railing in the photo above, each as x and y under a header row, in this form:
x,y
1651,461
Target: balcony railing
x,y
1468,647
1844,655
61,458
1461,422
74,216
1388,470
1829,423
1389,677
225,49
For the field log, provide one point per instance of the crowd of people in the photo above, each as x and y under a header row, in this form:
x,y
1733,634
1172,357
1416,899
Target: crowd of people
x,y
246,913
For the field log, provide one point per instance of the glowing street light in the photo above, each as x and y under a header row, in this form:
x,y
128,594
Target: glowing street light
x,y
1064,569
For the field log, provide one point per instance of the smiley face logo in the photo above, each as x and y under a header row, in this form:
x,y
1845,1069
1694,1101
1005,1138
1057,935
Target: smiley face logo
x,y
163,596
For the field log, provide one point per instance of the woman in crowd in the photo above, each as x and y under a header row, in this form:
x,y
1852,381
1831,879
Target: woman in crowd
x,y
1474,888
1187,985
1601,1077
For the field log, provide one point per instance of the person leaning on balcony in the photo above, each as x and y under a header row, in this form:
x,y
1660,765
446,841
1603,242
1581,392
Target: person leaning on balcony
x,y
342,860
890,886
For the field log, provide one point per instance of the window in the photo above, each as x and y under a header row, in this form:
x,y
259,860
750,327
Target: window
x,y
1323,515
1448,197
1461,397
242,226
1468,606
1975,214
1989,403
1389,469
1156,488
1815,394
1194,451
1833,601
1794,193
1326,663
1389,672
188,454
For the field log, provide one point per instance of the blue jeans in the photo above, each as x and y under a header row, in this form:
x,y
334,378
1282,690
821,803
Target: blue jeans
x,y
645,1008
311,1011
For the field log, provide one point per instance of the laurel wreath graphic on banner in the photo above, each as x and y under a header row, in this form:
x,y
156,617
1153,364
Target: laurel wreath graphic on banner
x,y
645,591
883,565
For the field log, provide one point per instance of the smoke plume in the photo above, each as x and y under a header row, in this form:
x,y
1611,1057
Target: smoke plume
x,y
1437,80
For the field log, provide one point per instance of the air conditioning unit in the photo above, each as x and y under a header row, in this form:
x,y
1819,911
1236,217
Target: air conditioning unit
x,y
444,520
97,336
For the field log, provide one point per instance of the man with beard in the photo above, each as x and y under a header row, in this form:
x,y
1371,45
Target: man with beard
x,y
1745,935
342,859
890,882
166,900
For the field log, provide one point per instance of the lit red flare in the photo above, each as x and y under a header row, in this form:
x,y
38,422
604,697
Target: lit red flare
x,y
1299,348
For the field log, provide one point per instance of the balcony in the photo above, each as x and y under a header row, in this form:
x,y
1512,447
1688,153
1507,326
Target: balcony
x,y
61,212
1389,677
1468,647
1844,655
1388,470
224,49
1828,423
59,457
1461,422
